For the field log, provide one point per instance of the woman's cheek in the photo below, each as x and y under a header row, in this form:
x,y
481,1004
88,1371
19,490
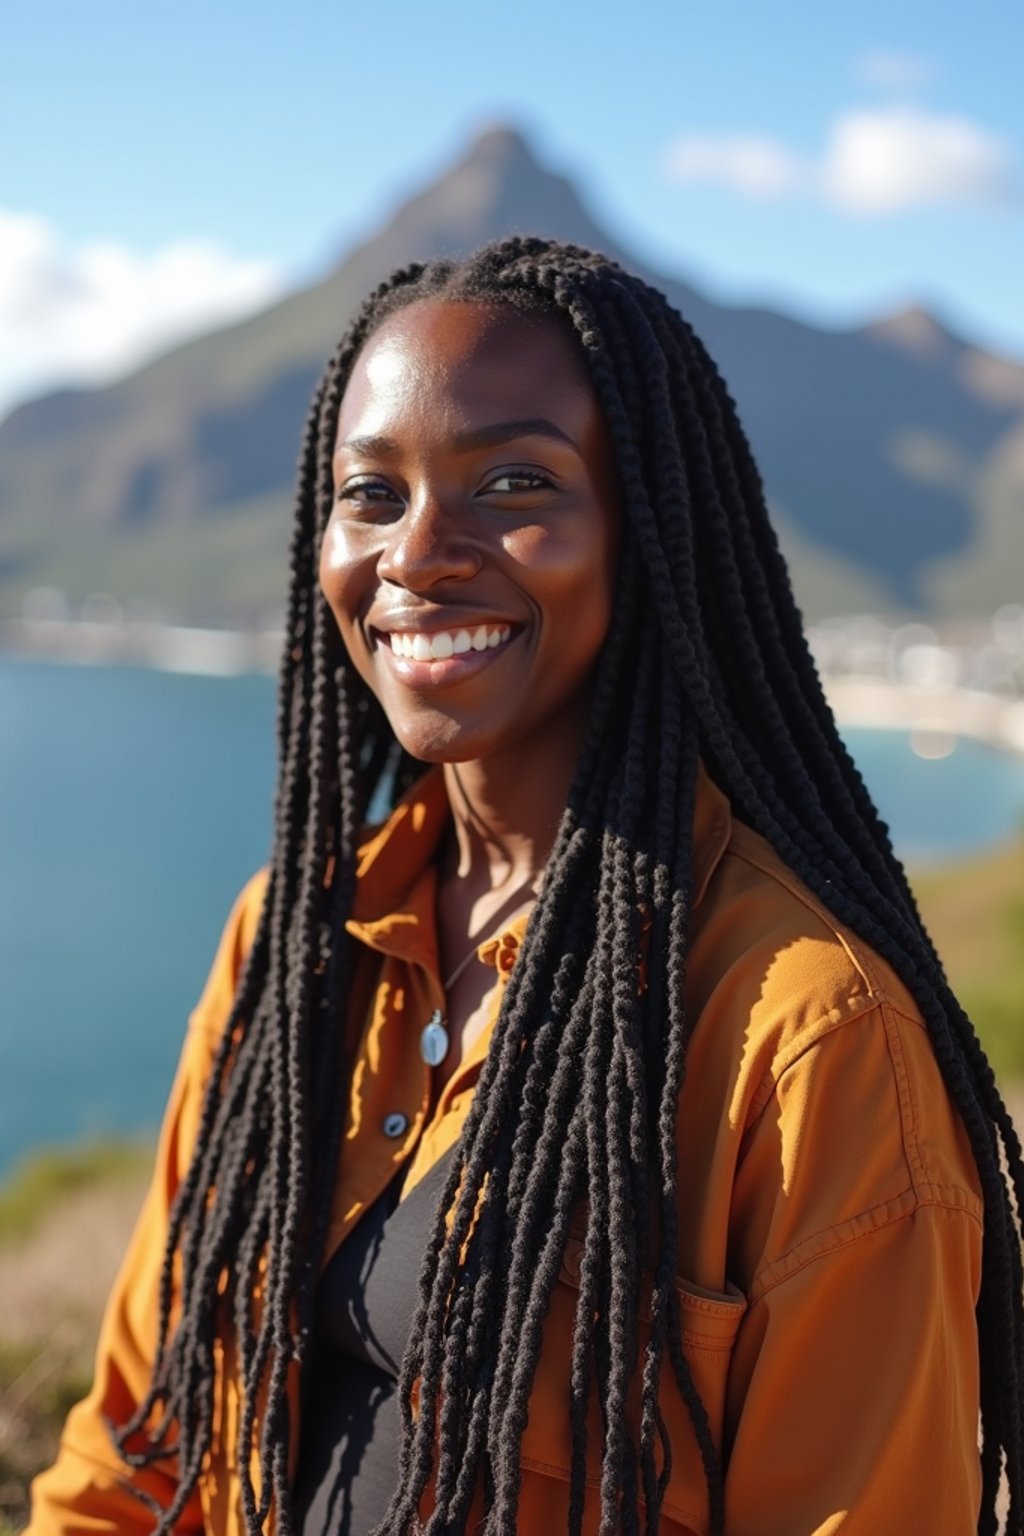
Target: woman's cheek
x,y
339,572
335,552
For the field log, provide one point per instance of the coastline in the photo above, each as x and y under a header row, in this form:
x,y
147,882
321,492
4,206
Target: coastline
x,y
935,713
141,643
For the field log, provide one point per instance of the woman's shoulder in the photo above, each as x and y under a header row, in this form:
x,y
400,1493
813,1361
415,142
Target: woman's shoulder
x,y
811,1059
759,926
787,998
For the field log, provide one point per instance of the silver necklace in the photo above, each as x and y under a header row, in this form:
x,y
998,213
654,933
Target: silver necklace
x,y
434,1037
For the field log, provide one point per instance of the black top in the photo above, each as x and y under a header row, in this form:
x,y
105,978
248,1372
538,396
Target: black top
x,y
348,1457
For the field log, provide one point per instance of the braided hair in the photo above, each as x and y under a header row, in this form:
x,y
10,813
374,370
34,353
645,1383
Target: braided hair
x,y
578,1094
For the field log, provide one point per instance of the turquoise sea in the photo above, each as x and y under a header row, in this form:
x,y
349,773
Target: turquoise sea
x,y
133,805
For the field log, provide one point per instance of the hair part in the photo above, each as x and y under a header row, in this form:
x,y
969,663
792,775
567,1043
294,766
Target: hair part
x,y
706,629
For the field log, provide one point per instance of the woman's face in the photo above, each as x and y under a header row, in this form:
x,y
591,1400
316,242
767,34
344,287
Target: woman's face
x,y
470,556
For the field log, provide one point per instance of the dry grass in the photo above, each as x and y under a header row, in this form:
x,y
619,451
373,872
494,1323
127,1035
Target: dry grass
x,y
66,1265
53,1283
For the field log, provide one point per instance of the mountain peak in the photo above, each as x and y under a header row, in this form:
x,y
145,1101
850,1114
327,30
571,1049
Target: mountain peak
x,y
915,329
503,147
204,439
497,186
988,376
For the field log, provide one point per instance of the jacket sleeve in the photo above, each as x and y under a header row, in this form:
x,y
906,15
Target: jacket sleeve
x,y
853,1390
88,1488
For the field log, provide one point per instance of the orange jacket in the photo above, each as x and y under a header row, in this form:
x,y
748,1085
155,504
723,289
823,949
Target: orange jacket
x,y
830,1215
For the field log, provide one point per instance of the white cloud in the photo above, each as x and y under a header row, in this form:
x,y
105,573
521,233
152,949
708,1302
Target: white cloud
x,y
880,161
754,165
875,161
888,70
87,313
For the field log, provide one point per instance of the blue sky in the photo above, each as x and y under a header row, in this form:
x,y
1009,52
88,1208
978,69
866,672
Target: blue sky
x,y
170,165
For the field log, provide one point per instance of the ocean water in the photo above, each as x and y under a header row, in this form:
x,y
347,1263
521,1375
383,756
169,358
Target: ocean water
x,y
133,806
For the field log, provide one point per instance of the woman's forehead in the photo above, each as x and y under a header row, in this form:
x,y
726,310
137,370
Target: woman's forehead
x,y
477,361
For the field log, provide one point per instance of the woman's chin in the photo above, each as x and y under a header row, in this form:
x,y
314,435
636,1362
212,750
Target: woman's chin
x,y
445,741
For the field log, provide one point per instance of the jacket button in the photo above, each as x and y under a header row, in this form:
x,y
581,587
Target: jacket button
x,y
395,1125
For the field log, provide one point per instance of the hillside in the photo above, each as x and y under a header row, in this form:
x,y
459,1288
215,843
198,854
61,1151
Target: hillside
x,y
893,454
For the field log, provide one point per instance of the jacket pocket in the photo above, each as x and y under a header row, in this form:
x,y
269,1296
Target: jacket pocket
x,y
710,1322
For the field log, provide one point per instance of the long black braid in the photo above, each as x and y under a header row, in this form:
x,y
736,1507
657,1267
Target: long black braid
x,y
578,1094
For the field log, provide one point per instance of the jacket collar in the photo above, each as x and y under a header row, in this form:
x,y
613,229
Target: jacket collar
x,y
394,856
396,881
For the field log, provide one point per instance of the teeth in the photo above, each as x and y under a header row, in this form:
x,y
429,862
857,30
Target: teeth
x,y
447,643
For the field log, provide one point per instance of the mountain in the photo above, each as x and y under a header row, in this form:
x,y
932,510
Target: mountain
x,y
893,454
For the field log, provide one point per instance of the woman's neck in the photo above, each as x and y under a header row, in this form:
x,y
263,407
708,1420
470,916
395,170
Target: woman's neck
x,y
505,815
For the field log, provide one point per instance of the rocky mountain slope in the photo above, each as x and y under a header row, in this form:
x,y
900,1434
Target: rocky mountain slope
x,y
893,454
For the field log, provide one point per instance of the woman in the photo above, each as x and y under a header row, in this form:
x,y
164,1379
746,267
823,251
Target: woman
x,y
623,1024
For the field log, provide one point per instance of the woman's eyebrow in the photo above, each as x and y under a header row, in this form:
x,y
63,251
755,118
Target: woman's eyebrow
x,y
380,445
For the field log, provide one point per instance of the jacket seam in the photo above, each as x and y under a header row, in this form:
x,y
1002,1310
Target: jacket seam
x,y
807,899
888,1017
859,959
810,1036
908,1018
876,995
717,844
905,1097
875,1219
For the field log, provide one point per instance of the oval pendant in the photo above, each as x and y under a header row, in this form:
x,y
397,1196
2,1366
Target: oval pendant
x,y
434,1040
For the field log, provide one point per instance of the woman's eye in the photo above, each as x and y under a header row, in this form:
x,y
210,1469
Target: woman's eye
x,y
366,491
513,481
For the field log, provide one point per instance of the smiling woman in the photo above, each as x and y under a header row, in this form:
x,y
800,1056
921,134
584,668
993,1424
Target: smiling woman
x,y
481,531
595,1143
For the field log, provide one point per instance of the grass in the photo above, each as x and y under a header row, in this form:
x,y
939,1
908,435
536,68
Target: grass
x,y
64,1220
39,1382
974,910
47,1178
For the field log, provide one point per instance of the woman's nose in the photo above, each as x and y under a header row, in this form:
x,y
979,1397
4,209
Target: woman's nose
x,y
428,544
